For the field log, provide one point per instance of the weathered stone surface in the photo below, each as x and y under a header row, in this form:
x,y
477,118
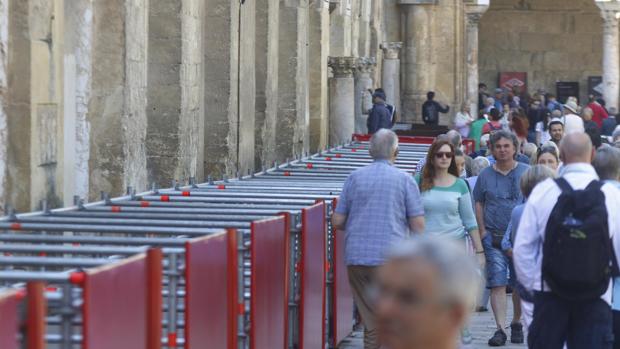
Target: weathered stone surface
x,y
267,28
293,109
317,62
221,80
550,39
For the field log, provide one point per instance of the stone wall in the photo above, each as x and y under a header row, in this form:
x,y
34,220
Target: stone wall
x,y
551,40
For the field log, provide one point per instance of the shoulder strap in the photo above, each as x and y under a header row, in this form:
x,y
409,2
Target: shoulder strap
x,y
595,185
564,186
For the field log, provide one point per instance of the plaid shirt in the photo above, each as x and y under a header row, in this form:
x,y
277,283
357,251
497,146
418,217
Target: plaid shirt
x,y
377,200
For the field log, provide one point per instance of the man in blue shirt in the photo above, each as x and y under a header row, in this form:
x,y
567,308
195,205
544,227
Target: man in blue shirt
x,y
496,194
379,206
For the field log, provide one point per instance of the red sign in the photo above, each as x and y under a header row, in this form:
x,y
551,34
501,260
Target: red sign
x,y
513,79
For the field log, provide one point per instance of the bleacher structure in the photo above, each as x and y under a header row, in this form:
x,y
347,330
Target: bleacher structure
x,y
251,262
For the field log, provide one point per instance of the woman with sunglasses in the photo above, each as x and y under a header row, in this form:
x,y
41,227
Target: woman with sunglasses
x,y
446,198
447,203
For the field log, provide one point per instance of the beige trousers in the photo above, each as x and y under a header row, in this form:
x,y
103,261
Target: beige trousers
x,y
360,279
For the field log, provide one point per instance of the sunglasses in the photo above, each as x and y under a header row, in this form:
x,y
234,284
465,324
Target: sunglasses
x,y
443,154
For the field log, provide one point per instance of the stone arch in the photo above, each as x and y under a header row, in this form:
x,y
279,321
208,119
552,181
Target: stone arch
x,y
551,40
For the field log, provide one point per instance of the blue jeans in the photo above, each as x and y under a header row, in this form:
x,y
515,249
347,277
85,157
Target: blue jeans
x,y
579,324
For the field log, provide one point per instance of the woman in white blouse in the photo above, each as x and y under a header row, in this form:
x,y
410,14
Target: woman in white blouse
x,y
463,119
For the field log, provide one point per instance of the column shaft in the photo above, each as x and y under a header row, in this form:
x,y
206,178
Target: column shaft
x,y
611,57
363,81
419,70
267,44
391,73
317,63
472,20
293,122
341,103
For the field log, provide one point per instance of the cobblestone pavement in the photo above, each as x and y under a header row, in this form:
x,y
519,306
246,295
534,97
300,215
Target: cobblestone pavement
x,y
482,328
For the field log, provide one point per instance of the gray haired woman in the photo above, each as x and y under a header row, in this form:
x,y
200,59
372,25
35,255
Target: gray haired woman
x,y
534,175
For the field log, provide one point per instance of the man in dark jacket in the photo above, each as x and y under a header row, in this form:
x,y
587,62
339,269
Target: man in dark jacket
x,y
431,110
379,116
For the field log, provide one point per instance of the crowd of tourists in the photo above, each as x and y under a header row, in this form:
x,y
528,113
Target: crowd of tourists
x,y
531,212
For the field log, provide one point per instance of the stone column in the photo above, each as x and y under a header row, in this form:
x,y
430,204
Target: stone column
x,y
364,67
174,91
229,87
293,122
318,54
391,73
610,11
340,28
473,13
419,68
266,41
341,109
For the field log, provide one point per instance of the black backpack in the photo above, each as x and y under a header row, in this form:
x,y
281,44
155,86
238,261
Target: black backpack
x,y
577,250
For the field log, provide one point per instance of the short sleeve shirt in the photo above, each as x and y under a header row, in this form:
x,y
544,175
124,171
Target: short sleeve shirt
x,y
378,200
499,195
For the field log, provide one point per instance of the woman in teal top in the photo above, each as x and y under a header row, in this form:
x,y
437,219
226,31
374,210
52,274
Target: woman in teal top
x,y
446,198
447,204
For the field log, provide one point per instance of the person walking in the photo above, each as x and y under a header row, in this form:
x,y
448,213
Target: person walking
x,y
425,294
606,162
379,205
496,194
563,253
431,109
447,203
599,113
446,199
475,131
463,120
548,156
494,123
530,179
572,122
379,116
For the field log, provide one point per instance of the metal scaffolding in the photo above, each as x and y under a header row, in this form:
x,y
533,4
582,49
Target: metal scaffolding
x,y
250,262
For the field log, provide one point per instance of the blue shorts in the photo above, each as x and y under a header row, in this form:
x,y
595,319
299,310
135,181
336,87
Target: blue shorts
x,y
499,267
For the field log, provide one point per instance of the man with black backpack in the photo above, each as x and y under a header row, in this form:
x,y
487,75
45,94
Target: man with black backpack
x,y
565,251
431,110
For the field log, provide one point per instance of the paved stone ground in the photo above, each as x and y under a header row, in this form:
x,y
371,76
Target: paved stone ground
x,y
482,328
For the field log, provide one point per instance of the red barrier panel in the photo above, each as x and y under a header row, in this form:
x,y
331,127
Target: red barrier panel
x,y
343,298
401,139
313,265
211,306
154,259
115,308
36,306
9,322
269,304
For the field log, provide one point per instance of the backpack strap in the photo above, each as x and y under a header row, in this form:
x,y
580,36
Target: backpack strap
x,y
595,185
564,186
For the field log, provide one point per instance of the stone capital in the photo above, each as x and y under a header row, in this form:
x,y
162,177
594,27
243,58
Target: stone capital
x,y
474,13
342,66
610,12
391,49
365,65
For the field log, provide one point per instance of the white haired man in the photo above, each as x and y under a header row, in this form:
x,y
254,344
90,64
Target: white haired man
x,y
379,206
425,294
